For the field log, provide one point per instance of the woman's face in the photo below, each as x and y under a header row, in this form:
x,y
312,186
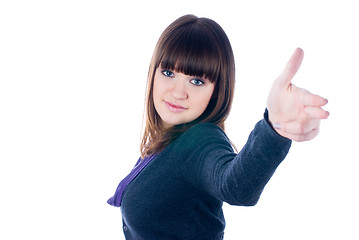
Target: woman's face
x,y
180,98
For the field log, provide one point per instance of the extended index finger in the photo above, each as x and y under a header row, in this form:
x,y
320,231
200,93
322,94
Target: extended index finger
x,y
309,99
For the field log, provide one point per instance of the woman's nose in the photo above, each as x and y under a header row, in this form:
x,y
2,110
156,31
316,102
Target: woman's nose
x,y
179,90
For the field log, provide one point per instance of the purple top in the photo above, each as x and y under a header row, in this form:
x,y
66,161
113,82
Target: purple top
x,y
140,165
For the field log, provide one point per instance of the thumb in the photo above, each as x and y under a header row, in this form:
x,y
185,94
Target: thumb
x,y
291,68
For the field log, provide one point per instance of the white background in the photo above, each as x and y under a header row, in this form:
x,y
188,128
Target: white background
x,y
72,83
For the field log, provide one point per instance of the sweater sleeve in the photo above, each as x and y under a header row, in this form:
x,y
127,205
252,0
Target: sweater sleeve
x,y
210,164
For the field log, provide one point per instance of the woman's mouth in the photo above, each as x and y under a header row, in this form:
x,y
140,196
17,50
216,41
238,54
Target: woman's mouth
x,y
174,107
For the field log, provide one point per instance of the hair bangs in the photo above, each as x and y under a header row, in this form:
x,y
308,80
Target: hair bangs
x,y
192,52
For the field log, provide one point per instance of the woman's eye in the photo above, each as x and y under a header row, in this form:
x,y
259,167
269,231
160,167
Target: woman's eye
x,y
197,82
167,73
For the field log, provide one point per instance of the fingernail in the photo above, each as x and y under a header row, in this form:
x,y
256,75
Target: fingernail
x,y
276,125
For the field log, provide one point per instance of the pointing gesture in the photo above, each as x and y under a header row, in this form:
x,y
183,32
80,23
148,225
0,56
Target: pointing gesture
x,y
295,113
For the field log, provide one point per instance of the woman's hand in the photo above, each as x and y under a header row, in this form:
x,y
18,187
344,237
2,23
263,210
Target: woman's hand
x,y
295,113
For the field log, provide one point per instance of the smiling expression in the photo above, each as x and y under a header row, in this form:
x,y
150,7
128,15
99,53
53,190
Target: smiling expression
x,y
180,98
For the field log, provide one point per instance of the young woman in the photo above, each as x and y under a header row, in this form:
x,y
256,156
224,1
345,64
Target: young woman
x,y
187,166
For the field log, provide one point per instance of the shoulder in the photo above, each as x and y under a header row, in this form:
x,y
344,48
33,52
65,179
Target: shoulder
x,y
200,137
204,131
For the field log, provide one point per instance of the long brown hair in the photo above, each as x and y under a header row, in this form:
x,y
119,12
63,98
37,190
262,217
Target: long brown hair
x,y
197,47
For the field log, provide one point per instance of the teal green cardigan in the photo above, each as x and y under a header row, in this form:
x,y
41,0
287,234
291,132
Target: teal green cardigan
x,y
179,194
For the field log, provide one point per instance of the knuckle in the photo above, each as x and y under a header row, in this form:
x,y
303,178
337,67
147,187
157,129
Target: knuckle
x,y
301,128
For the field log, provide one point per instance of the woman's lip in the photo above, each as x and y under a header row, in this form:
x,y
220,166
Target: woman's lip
x,y
175,107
